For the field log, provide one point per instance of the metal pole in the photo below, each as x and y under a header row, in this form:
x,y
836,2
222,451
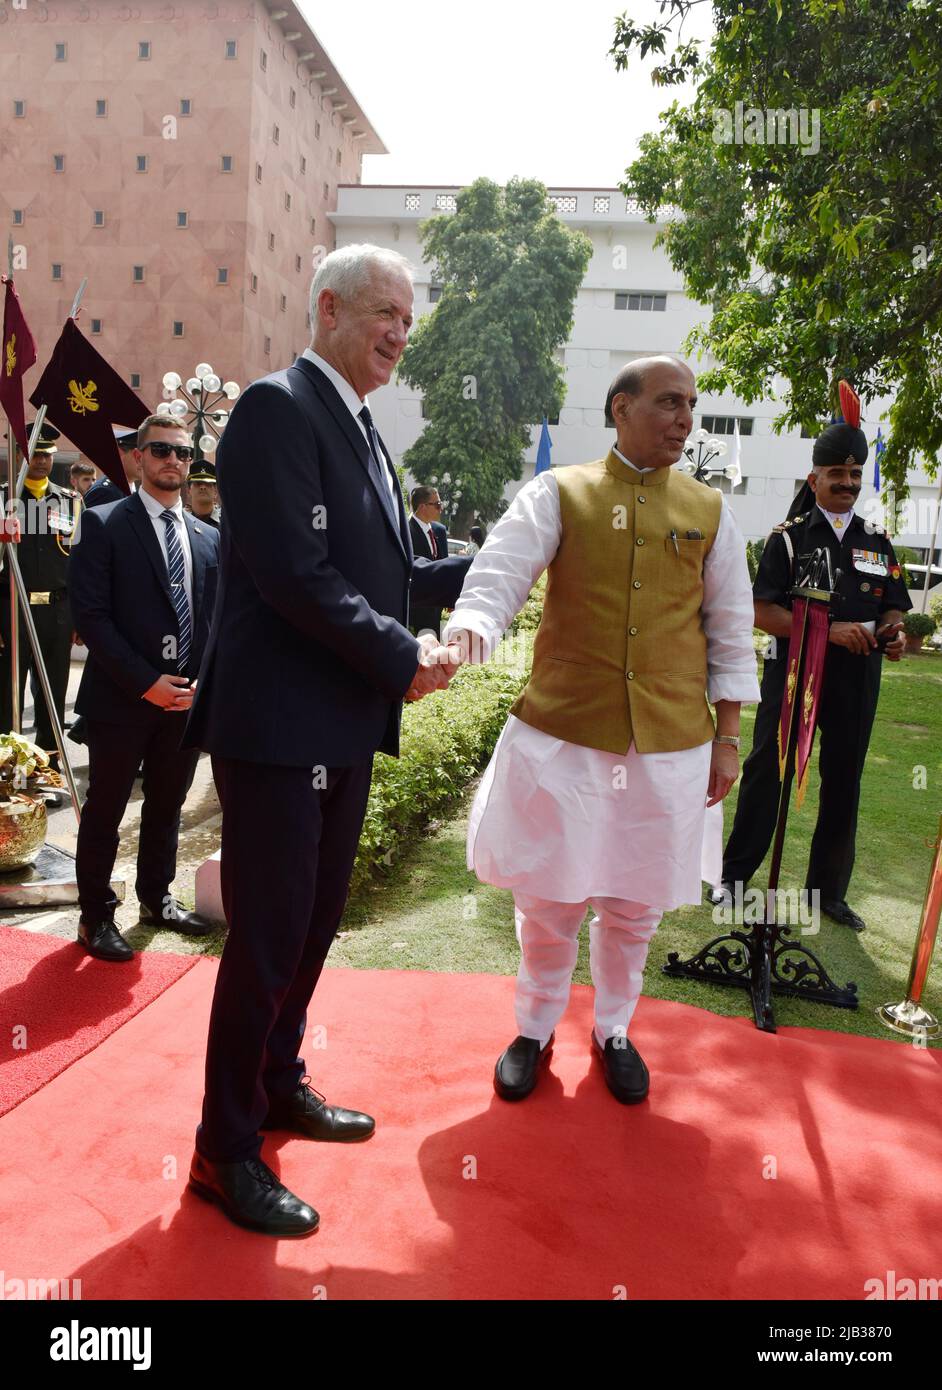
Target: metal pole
x,y
14,647
932,539
910,1017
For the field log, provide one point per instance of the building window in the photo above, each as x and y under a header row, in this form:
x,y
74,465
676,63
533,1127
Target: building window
x,y
101,107
413,202
254,284
267,347
258,173
601,203
292,98
225,163
98,218
56,270
137,274
338,156
263,60
183,219
136,380
655,302
446,202
434,293
284,303
313,226
287,202
222,275
96,328
62,52
271,241
58,163
275,135
178,328
17,217
303,165
726,424
19,109
186,106
232,48
142,164
317,130
143,50
326,192
565,202
297,264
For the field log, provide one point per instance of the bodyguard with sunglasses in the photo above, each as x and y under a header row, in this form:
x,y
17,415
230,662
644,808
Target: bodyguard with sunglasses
x,y
143,584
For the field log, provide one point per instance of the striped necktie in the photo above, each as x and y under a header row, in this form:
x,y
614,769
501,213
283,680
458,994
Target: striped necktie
x,y
175,567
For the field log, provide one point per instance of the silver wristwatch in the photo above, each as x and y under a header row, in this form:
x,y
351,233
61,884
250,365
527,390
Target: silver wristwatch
x,y
731,739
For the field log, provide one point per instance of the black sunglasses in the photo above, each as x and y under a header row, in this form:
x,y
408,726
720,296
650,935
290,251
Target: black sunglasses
x,y
163,451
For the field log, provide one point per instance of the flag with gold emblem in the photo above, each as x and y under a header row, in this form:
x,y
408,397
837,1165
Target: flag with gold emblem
x,y
807,650
84,397
19,354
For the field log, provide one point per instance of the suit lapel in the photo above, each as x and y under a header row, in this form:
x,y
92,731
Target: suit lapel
x,y
357,441
143,526
198,555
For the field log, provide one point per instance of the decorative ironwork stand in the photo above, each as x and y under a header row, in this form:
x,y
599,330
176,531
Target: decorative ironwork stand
x,y
761,957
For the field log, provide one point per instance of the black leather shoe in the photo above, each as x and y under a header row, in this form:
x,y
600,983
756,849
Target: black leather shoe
x,y
104,941
251,1195
173,917
518,1067
307,1113
838,911
626,1076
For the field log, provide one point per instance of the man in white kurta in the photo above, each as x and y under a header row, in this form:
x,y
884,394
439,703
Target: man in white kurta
x,y
564,824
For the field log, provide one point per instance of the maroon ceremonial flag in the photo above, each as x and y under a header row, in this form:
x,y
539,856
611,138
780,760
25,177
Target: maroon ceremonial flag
x,y
803,686
84,397
19,354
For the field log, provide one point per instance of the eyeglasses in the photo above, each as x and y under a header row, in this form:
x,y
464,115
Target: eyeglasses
x,y
160,450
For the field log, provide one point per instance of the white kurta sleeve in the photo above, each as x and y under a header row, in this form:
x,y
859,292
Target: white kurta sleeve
x,y
507,566
728,617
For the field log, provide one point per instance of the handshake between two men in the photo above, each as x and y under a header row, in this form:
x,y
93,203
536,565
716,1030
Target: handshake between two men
x,y
438,662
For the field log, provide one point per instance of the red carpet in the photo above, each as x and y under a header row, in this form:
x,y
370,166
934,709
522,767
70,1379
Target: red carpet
x,y
57,1003
566,1195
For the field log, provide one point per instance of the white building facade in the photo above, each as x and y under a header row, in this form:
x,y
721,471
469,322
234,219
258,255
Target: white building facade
x,y
631,303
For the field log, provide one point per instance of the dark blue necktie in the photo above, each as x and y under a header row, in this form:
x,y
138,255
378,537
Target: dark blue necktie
x,y
175,567
380,459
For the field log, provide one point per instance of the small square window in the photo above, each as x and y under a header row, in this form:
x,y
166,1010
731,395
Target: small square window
x,y
292,98
225,163
258,173
17,217
62,52
142,164
287,202
303,165
267,347
136,380
186,106
275,135
137,274
601,203
58,163
284,303
263,61
178,328
183,219
101,107
56,270
434,293
98,218
271,241
96,328
255,284
232,48
222,275
19,109
143,50
413,202
317,130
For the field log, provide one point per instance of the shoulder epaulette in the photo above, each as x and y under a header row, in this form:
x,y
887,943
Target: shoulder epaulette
x,y
792,521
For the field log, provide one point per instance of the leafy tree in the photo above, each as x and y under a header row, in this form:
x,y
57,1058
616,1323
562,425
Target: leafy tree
x,y
820,258
485,358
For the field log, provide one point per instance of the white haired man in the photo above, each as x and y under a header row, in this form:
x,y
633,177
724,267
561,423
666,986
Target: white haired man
x,y
308,661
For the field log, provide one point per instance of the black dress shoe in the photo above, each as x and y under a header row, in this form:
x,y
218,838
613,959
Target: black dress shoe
x,y
838,911
173,917
307,1113
518,1067
104,941
251,1195
626,1076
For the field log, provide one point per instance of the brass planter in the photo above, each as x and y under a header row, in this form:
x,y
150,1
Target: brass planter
x,y
22,832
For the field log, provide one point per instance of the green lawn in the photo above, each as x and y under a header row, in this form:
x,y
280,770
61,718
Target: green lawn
x,y
430,913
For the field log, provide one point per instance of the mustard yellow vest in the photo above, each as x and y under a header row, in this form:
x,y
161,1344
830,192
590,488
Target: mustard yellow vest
x,y
620,653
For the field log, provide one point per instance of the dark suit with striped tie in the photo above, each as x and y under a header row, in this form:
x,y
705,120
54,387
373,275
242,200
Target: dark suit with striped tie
x,y
131,610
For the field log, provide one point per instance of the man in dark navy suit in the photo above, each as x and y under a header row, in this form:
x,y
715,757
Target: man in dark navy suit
x,y
142,582
307,664
104,491
429,539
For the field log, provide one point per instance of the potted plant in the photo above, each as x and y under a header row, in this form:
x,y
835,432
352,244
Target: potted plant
x,y
24,775
917,627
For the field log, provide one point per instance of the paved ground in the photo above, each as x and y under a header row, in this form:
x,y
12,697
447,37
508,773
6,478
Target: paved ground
x,y
199,838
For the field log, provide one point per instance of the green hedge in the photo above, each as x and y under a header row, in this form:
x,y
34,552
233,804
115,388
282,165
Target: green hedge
x,y
447,738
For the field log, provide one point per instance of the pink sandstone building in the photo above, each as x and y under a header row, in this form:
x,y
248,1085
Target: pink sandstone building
x,y
184,158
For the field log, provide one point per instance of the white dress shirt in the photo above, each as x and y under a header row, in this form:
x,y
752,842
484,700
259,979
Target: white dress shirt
x,y
153,506
565,822
353,403
839,521
427,529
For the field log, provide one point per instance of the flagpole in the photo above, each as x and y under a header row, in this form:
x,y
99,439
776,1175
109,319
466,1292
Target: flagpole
x,y
15,712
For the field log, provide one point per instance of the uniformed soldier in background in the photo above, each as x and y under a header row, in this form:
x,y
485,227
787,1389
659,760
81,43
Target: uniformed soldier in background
x,y
203,501
104,491
866,617
49,514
